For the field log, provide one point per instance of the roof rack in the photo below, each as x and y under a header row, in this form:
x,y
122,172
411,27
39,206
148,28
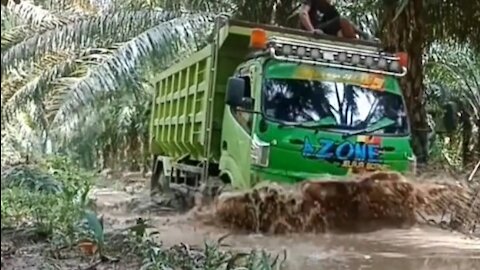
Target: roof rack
x,y
338,56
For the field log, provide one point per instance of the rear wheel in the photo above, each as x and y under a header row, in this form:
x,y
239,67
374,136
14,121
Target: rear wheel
x,y
159,182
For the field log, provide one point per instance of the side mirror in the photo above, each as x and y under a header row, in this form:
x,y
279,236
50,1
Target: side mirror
x,y
450,118
262,125
235,92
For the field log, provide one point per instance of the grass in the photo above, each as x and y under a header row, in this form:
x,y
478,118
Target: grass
x,y
47,202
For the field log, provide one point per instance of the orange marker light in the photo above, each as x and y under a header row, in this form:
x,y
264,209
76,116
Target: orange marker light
x,y
258,39
403,58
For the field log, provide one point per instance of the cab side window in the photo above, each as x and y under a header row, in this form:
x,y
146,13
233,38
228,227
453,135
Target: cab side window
x,y
245,119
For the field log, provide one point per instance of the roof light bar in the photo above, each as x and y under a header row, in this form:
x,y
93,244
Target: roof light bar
x,y
338,56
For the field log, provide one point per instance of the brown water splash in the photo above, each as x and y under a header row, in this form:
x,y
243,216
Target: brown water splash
x,y
373,201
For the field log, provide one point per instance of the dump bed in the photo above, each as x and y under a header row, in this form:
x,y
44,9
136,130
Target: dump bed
x,y
188,103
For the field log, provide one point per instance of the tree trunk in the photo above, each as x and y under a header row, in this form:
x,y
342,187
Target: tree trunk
x,y
406,34
466,137
477,147
133,153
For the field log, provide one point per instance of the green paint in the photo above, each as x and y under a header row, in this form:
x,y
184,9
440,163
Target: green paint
x,y
275,69
286,161
189,114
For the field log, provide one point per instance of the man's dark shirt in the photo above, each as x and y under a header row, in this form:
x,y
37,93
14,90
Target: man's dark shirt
x,y
329,12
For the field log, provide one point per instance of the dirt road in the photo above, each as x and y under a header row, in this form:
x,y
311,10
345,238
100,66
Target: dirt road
x,y
409,249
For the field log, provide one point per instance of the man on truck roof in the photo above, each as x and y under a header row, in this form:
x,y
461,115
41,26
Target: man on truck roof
x,y
321,16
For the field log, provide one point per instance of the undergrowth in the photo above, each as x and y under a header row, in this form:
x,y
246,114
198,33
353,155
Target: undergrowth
x,y
48,198
47,201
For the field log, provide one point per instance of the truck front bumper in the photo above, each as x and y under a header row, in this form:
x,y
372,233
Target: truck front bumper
x,y
288,177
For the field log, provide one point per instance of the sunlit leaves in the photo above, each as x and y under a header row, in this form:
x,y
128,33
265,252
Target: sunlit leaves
x,y
155,49
457,68
94,32
36,16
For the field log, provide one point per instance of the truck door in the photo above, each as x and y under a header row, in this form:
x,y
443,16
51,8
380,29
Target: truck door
x,y
236,140
245,119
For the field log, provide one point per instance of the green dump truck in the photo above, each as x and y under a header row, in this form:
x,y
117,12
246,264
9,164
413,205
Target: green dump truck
x,y
269,103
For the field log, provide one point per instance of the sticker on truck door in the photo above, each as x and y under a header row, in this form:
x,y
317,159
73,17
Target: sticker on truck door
x,y
365,153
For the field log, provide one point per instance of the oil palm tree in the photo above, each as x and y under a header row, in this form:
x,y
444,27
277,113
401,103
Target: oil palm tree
x,y
67,73
64,60
412,26
453,73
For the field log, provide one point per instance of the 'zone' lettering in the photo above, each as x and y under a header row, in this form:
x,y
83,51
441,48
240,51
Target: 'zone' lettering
x,y
341,152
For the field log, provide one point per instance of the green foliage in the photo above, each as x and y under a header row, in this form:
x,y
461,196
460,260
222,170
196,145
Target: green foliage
x,y
48,197
210,257
453,76
71,83
95,227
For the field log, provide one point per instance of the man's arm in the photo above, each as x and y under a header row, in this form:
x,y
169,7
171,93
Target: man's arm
x,y
358,30
304,18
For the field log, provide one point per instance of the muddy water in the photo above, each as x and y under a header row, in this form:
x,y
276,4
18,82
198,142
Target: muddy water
x,y
409,249
419,248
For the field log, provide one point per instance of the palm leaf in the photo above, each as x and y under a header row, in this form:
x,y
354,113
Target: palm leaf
x,y
94,224
14,35
154,49
31,178
77,7
21,136
45,88
92,32
457,68
18,92
33,15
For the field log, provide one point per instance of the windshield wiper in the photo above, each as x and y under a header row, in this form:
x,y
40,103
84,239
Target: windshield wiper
x,y
382,123
303,125
327,122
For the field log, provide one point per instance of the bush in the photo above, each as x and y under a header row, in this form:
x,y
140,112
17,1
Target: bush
x,y
47,197
49,200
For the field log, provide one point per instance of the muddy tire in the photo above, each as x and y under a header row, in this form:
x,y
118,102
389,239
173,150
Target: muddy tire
x,y
159,182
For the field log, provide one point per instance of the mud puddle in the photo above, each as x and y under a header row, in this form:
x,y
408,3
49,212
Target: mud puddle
x,y
408,249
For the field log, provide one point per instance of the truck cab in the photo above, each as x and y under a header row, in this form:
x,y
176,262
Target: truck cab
x,y
281,105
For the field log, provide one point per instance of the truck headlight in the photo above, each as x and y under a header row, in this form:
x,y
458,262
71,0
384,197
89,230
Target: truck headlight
x,y
260,151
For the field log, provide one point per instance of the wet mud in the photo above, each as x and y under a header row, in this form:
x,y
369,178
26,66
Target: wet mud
x,y
386,223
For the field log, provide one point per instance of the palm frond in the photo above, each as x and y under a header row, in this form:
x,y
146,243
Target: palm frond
x,y
21,135
8,20
363,13
14,35
154,49
123,114
28,74
31,14
92,32
48,87
458,68
77,7
21,91
135,5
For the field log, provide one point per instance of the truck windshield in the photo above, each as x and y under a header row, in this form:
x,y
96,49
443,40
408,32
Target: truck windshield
x,y
351,107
